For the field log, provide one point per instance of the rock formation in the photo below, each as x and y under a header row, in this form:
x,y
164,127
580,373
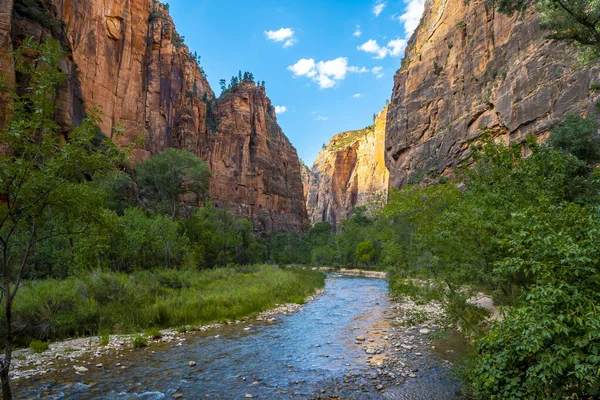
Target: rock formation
x,y
255,169
126,58
349,172
468,67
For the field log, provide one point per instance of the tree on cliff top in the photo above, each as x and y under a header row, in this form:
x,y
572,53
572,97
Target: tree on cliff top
x,y
44,177
576,21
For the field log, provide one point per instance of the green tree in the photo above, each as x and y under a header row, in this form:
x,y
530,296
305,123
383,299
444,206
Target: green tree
x,y
43,178
578,136
365,252
218,237
165,178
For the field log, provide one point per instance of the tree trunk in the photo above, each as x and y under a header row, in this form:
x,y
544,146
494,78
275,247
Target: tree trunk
x,y
6,392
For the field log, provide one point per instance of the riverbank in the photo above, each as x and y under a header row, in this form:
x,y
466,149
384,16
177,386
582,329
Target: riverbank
x,y
105,308
80,353
354,341
354,272
410,351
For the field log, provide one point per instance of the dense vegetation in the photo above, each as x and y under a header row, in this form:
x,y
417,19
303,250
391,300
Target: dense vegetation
x,y
101,302
526,231
89,244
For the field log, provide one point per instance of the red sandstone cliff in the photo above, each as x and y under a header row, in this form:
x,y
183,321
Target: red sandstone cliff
x,y
126,58
349,172
467,67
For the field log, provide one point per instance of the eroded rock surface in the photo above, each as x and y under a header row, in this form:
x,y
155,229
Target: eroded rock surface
x,y
469,67
349,172
126,58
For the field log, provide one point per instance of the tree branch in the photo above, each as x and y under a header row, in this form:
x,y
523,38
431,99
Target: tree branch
x,y
582,21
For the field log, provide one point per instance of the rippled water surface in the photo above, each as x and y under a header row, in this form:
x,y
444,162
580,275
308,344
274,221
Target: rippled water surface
x,y
290,358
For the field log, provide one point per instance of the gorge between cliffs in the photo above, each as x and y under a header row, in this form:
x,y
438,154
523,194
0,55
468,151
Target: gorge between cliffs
x,y
407,207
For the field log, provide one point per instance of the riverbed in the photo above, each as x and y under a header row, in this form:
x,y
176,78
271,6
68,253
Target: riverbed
x,y
348,343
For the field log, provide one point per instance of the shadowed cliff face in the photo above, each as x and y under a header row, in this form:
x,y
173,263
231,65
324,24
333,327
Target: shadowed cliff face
x,y
469,67
255,169
349,172
126,58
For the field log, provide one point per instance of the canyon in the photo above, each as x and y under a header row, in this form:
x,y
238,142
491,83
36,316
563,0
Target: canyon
x,y
126,63
467,69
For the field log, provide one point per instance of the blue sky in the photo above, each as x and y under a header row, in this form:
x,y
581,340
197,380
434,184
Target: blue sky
x,y
328,64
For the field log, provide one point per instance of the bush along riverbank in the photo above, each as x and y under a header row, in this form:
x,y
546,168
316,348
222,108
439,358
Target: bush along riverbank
x,y
103,303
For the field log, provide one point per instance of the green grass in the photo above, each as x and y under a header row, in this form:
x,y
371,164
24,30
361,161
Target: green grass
x,y
118,303
139,341
153,333
38,346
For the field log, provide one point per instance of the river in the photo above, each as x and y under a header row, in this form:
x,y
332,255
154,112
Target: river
x,y
310,354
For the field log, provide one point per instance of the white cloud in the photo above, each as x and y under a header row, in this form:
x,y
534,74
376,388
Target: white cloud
x,y
304,67
357,96
358,70
357,31
394,48
378,7
280,110
412,15
372,47
377,71
326,73
321,118
285,35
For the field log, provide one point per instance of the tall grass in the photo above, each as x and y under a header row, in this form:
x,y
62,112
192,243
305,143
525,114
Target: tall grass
x,y
118,303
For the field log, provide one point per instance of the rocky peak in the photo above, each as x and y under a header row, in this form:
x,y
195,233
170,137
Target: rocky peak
x,y
255,169
468,67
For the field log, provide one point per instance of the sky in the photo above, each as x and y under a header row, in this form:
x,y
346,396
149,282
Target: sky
x,y
328,65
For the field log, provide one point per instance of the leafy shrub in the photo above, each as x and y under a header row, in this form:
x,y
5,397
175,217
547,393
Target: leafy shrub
x,y
139,341
38,346
153,333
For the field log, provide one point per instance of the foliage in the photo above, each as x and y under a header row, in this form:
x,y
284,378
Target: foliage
x,y
164,179
365,252
36,11
218,238
578,136
139,341
524,230
246,77
38,346
106,302
45,193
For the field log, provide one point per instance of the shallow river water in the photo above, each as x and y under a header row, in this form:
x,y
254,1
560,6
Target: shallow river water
x,y
295,357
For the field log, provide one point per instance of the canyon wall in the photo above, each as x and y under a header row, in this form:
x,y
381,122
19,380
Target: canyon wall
x,y
349,172
126,59
468,67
